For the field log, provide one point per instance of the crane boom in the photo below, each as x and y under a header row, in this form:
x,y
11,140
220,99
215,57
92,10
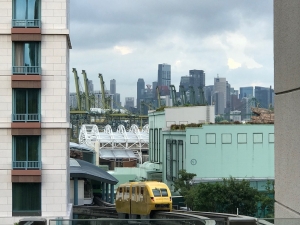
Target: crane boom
x,y
86,90
192,95
201,96
173,95
182,95
102,90
158,97
77,89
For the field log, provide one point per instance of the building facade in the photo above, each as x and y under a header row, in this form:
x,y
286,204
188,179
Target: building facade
x,y
246,92
140,91
219,95
164,75
34,119
287,97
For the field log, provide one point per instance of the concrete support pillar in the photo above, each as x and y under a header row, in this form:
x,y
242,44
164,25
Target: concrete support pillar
x,y
97,150
107,192
75,191
103,191
112,192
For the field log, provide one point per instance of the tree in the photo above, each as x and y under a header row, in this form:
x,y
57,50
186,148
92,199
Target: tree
x,y
224,197
267,201
182,184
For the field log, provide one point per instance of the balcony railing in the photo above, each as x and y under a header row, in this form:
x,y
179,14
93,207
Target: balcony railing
x,y
26,70
27,165
26,23
26,117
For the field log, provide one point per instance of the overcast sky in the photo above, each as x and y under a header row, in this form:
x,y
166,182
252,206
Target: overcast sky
x,y
126,40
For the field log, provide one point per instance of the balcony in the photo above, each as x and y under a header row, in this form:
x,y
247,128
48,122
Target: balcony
x,y
27,165
26,70
35,23
26,117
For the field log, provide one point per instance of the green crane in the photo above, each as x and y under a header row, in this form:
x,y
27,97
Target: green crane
x,y
86,90
173,95
77,89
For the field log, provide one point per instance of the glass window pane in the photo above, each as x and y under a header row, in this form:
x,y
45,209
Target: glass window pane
x,y
33,101
156,193
20,148
26,196
20,101
164,192
20,10
33,9
33,148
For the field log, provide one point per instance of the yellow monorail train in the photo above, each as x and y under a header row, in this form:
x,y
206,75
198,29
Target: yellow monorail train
x,y
142,199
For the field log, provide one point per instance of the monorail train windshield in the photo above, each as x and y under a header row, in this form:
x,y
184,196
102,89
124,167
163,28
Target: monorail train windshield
x,y
160,192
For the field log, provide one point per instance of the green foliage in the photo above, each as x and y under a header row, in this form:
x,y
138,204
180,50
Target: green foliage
x,y
267,201
182,184
218,119
224,197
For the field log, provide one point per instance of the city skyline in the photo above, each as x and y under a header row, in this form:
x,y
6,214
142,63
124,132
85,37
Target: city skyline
x,y
129,39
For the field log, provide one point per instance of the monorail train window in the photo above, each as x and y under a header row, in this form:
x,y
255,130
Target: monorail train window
x,y
127,189
142,190
120,189
133,190
156,192
164,192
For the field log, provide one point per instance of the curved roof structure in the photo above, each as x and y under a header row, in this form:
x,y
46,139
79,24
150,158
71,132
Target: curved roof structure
x,y
83,169
134,138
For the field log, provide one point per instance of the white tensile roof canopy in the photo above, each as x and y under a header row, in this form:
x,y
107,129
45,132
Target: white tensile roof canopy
x,y
134,139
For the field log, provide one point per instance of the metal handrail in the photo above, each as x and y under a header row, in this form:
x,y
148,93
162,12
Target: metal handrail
x,y
26,23
26,70
27,165
26,117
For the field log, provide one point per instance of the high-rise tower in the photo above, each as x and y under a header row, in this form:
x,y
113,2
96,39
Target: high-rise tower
x,y
34,118
164,75
140,91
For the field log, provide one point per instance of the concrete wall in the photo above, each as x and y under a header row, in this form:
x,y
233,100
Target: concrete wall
x,y
287,101
222,160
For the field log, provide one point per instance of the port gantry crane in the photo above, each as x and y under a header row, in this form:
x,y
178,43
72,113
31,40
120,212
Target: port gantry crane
x,y
173,95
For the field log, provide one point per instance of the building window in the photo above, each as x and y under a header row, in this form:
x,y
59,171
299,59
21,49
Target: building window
x,y
258,138
26,58
26,152
26,13
26,199
194,139
242,138
226,138
271,138
210,138
26,105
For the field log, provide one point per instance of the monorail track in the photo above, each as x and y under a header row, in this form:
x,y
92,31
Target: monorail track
x,y
176,217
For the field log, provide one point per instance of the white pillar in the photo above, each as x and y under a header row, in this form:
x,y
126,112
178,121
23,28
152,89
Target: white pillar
x,y
97,152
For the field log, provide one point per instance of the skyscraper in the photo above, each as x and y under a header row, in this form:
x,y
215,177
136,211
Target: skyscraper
x,y
164,75
113,86
140,91
35,116
197,78
264,96
246,92
219,96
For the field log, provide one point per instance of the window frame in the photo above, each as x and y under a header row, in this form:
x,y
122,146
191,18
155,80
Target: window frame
x,y
27,194
16,164
25,23
26,117
23,69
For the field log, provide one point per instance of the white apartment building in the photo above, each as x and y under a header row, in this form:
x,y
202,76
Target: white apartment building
x,y
34,109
